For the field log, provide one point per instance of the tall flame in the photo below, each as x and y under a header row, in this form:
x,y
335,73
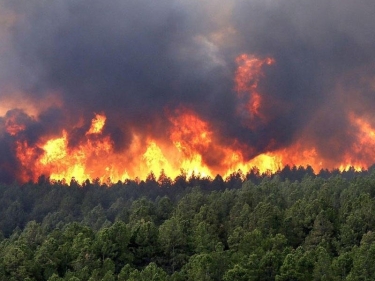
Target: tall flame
x,y
247,77
97,124
190,144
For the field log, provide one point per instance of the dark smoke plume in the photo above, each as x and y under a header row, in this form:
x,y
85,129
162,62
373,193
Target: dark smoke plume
x,y
137,60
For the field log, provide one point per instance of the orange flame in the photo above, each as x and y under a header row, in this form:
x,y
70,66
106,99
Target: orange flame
x,y
190,134
191,144
362,152
97,124
192,139
248,74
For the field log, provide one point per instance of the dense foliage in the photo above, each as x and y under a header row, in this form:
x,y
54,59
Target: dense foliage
x,y
289,226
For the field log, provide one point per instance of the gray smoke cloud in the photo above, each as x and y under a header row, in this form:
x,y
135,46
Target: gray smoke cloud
x,y
137,60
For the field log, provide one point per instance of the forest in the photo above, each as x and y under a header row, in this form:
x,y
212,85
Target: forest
x,y
291,225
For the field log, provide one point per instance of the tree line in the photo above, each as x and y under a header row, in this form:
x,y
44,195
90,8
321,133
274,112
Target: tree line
x,y
293,225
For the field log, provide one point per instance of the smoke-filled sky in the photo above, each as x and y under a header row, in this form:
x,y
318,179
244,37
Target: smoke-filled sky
x,y
139,62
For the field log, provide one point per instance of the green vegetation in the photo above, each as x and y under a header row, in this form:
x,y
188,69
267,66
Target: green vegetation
x,y
289,226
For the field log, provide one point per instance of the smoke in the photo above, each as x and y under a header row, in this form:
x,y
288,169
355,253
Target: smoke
x,y
322,50
139,61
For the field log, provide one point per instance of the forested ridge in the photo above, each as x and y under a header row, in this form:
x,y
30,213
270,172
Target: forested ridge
x,y
293,225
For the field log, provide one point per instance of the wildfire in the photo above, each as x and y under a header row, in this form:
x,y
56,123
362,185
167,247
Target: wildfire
x,y
247,77
55,150
191,139
361,153
97,124
190,134
191,143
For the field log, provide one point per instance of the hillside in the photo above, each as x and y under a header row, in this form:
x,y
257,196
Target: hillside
x,y
289,226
